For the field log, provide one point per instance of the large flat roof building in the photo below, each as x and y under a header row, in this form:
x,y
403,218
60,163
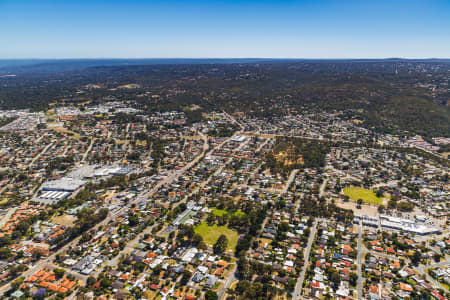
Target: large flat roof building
x,y
65,184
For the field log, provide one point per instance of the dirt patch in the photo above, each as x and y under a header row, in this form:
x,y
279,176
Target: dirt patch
x,y
368,210
109,195
289,158
191,137
66,220
67,132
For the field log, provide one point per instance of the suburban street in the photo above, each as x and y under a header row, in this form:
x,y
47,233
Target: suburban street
x,y
298,287
422,269
289,181
231,276
322,188
359,263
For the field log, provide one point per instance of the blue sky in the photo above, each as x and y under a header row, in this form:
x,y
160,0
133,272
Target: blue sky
x,y
225,29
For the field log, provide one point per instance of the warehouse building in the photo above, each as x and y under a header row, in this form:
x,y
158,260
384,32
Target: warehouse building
x,y
65,184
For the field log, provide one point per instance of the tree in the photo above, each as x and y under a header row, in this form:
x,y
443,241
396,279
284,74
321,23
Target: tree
x,y
197,239
405,206
133,220
59,272
291,284
437,257
353,278
5,253
335,279
105,283
5,241
379,193
415,259
221,245
90,281
392,203
211,295
186,276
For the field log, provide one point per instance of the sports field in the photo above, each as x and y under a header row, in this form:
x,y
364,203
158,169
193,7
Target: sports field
x,y
210,234
367,196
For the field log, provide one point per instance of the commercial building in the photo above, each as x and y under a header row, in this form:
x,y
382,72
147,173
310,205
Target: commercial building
x,y
65,184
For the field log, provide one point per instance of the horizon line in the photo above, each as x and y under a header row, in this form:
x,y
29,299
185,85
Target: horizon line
x,y
228,58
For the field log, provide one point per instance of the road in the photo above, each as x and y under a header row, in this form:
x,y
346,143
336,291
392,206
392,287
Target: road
x,y
7,216
322,188
87,150
423,271
39,155
359,263
289,181
262,145
230,278
233,120
301,278
374,253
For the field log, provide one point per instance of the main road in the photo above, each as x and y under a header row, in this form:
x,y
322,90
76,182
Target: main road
x,y
359,262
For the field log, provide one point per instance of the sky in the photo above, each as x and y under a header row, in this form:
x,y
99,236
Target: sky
x,y
225,29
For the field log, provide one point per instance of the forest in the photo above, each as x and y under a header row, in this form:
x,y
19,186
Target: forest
x,y
296,153
390,96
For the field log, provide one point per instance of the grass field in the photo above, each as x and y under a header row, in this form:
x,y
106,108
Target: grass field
x,y
239,213
367,196
218,212
210,234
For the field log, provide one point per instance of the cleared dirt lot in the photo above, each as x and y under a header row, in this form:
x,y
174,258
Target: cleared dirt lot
x,y
67,220
368,210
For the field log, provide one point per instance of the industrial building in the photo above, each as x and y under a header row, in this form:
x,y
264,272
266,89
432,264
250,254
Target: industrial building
x,y
394,223
239,138
65,184
389,222
51,195
57,190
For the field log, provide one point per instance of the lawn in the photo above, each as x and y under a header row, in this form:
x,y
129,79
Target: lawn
x,y
239,213
367,196
210,234
220,212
